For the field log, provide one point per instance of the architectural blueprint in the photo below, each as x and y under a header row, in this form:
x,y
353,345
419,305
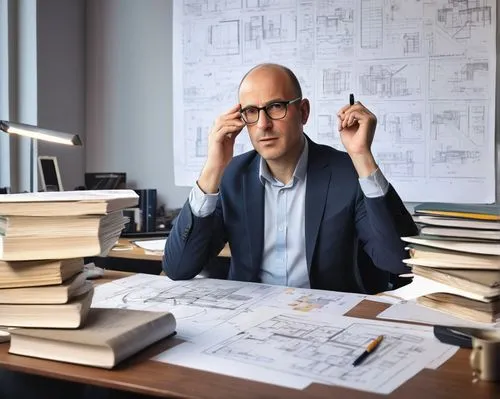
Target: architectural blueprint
x,y
426,68
202,304
291,347
281,335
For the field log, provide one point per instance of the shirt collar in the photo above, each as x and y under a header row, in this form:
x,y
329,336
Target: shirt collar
x,y
299,172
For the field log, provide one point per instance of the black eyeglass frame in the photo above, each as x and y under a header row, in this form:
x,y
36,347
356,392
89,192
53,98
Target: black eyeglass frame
x,y
265,107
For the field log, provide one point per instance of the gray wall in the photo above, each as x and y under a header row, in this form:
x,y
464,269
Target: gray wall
x,y
61,81
129,94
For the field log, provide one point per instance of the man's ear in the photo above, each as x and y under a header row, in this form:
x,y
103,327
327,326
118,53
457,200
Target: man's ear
x,y
305,109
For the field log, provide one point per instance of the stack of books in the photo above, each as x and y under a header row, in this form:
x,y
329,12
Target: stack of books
x,y
43,239
459,247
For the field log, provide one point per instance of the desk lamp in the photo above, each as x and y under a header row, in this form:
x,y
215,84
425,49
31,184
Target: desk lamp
x,y
36,133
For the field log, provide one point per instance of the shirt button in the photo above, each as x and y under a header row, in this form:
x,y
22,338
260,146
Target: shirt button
x,y
280,228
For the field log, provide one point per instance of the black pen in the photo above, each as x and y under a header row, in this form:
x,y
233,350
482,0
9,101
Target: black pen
x,y
369,349
351,99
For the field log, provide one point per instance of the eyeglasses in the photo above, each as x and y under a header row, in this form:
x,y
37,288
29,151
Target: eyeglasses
x,y
275,110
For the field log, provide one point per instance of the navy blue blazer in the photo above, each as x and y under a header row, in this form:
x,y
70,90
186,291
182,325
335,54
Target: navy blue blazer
x,y
339,220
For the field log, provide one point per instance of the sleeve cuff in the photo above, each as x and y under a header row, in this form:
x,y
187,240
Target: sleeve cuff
x,y
202,204
375,185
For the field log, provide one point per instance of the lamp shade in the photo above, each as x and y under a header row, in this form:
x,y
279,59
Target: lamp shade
x,y
35,132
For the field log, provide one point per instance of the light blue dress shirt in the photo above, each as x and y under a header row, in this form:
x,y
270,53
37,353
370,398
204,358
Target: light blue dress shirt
x,y
284,257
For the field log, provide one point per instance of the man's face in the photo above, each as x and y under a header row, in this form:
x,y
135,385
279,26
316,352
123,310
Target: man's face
x,y
274,140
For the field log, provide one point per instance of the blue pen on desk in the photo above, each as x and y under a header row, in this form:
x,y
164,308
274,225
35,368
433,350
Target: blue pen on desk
x,y
369,349
351,99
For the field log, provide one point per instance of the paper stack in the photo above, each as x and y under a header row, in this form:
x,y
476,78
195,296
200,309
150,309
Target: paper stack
x,y
43,239
459,247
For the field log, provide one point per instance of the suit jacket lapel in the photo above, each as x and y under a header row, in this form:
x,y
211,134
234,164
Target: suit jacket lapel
x,y
318,181
253,202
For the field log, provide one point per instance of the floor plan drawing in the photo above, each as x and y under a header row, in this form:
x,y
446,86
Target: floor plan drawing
x,y
398,80
458,140
402,59
201,304
300,346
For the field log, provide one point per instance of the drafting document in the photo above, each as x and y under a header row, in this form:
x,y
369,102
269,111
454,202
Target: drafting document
x,y
305,347
411,311
425,68
202,304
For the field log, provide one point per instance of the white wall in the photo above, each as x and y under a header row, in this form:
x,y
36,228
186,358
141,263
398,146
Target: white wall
x,y
129,94
61,81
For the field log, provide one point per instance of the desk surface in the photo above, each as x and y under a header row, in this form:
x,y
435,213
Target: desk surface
x,y
141,375
127,250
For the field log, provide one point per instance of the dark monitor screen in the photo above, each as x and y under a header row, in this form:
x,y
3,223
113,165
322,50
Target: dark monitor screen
x,y
49,173
105,181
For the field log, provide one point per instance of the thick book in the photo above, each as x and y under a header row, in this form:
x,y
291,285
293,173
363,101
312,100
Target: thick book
x,y
62,245
466,211
475,247
469,309
485,283
493,235
67,315
108,337
60,226
38,273
67,203
50,294
456,222
442,258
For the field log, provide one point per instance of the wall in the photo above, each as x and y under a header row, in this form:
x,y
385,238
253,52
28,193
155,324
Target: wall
x,y
61,81
129,94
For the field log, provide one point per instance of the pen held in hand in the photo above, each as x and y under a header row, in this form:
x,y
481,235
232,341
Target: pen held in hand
x,y
351,99
369,349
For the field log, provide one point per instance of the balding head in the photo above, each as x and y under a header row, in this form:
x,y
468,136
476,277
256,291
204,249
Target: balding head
x,y
292,80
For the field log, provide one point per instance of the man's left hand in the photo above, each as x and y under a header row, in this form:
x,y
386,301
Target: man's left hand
x,y
357,128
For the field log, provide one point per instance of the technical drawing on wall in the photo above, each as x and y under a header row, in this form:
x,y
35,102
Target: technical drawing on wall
x,y
403,59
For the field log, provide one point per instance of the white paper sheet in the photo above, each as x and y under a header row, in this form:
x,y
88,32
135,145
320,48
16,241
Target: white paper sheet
x,y
282,348
284,336
421,286
151,245
411,311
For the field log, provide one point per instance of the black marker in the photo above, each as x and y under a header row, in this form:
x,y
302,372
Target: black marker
x,y
351,99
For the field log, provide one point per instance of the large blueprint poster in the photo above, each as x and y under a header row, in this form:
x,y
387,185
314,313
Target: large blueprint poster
x,y
425,67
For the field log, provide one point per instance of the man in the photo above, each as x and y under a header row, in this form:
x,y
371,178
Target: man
x,y
293,212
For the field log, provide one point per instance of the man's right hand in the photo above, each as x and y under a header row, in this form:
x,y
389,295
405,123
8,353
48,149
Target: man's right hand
x,y
220,148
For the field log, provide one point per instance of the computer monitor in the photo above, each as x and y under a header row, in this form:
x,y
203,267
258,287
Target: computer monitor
x,y
49,173
105,181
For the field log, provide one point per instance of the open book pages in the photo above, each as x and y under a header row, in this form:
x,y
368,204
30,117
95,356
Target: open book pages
x,y
68,315
108,337
60,226
38,273
69,246
476,247
67,203
485,283
457,223
60,293
462,307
